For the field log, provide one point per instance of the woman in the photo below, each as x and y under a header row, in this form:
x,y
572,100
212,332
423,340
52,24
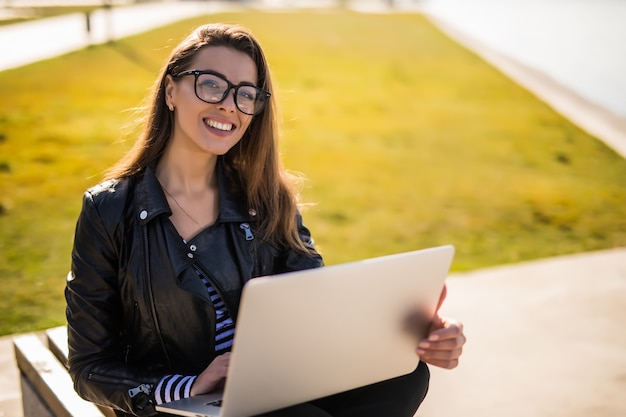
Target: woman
x,y
198,207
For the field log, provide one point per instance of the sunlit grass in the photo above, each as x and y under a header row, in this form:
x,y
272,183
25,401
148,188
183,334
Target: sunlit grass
x,y
407,141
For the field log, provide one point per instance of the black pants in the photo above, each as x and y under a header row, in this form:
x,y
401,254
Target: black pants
x,y
397,397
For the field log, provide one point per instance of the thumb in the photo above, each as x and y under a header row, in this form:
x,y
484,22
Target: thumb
x,y
442,297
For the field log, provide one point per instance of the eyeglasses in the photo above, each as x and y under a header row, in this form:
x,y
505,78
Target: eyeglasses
x,y
213,88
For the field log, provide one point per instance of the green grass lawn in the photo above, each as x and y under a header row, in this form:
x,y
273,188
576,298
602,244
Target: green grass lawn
x,y
407,140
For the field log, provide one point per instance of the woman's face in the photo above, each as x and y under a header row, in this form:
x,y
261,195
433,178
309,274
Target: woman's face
x,y
206,127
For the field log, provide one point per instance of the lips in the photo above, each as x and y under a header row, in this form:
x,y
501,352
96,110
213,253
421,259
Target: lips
x,y
226,127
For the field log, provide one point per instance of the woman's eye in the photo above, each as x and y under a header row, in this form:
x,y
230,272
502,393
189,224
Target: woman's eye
x,y
247,94
209,84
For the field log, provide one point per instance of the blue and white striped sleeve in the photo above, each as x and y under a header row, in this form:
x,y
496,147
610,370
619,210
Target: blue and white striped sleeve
x,y
173,387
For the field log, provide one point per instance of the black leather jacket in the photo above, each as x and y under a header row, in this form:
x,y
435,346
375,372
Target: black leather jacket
x,y
136,309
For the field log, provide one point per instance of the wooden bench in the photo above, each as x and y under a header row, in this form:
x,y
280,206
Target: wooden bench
x,y
47,389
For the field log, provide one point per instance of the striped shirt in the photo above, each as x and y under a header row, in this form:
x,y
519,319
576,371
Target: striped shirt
x,y
175,387
224,326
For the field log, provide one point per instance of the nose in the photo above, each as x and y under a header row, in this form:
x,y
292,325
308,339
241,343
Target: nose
x,y
228,103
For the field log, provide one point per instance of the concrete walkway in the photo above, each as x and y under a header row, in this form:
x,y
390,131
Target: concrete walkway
x,y
10,394
545,338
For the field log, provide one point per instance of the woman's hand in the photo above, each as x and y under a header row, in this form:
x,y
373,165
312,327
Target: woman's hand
x,y
212,376
445,340
444,344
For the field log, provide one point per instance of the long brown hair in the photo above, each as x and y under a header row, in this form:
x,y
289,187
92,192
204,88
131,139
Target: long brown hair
x,y
253,162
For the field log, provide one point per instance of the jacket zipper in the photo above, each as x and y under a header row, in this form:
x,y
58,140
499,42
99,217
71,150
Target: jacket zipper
x,y
141,394
132,323
246,229
145,388
110,380
249,237
151,297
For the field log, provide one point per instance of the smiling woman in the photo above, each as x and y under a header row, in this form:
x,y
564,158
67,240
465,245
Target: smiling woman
x,y
200,206
193,196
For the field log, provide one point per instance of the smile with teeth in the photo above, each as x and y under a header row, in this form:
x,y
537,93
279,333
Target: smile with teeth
x,y
218,125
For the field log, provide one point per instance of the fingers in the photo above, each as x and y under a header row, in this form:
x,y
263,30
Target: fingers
x,y
443,328
442,363
211,377
452,348
223,358
441,355
444,345
447,334
220,365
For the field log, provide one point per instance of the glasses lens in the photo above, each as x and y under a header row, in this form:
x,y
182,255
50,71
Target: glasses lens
x,y
211,88
249,99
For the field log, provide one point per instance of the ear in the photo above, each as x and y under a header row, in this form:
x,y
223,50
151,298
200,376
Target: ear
x,y
169,91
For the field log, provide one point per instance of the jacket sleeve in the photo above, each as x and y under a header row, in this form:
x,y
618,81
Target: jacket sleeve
x,y
94,316
293,260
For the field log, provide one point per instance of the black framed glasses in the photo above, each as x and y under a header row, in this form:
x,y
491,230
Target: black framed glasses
x,y
212,87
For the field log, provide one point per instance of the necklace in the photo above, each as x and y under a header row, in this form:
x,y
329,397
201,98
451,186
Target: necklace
x,y
179,206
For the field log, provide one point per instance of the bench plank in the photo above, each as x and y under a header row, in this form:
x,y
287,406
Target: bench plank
x,y
49,379
57,343
32,405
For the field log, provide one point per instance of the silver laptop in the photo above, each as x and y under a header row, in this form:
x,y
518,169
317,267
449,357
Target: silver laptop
x,y
308,334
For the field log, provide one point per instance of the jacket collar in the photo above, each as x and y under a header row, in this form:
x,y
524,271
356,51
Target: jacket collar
x,y
151,200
